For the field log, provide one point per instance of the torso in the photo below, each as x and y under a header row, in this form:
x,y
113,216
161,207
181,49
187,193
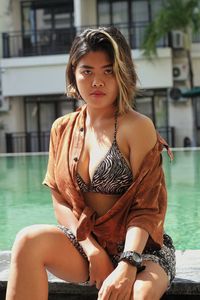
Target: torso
x,y
97,144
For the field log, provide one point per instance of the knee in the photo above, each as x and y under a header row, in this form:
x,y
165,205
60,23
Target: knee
x,y
143,291
25,243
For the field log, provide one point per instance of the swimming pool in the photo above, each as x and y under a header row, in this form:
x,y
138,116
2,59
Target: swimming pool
x,y
25,201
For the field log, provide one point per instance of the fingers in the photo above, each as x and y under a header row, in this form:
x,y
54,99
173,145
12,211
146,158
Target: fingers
x,y
92,280
99,284
104,294
114,294
124,295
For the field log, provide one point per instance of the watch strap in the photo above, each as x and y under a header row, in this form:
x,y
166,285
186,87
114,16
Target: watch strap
x,y
132,257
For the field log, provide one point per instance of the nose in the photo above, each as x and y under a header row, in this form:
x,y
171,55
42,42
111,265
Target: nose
x,y
97,82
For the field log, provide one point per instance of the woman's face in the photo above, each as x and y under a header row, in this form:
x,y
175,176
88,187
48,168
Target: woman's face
x,y
95,79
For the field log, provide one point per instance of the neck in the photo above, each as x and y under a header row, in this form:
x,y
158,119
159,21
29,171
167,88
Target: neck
x,y
94,116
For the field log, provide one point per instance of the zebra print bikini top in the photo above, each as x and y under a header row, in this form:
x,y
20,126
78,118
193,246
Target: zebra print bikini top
x,y
112,176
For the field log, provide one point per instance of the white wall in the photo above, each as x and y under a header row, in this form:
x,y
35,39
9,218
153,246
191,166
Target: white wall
x,y
181,117
46,74
85,12
33,75
155,73
13,120
181,113
196,63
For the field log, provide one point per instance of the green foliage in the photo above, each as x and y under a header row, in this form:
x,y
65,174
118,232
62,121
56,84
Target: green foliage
x,y
175,15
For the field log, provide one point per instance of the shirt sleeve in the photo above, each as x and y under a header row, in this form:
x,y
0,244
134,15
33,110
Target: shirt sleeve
x,y
49,179
148,207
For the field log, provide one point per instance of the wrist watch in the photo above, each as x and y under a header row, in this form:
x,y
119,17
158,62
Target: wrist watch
x,y
132,257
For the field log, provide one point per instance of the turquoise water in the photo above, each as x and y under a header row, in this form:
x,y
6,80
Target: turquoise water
x,y
183,214
25,201
23,198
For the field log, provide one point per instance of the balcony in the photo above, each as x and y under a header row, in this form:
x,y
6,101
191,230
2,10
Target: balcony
x,y
36,43
48,42
40,72
58,41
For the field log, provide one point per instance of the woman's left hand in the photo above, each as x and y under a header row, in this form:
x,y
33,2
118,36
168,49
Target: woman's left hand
x,y
119,284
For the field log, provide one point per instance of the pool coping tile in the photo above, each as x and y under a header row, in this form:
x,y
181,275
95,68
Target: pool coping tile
x,y
187,279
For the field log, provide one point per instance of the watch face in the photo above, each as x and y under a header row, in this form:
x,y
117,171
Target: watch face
x,y
137,258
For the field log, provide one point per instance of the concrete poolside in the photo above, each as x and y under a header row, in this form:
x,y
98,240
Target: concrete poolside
x,y
185,286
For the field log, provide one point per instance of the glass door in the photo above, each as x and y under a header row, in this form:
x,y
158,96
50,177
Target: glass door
x,y
139,19
120,16
47,114
115,13
47,26
39,119
40,113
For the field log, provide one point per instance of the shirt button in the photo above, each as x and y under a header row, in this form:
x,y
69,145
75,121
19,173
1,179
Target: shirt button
x,y
81,129
75,159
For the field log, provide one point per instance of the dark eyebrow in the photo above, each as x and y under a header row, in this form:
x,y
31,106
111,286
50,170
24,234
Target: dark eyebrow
x,y
108,66
86,67
90,67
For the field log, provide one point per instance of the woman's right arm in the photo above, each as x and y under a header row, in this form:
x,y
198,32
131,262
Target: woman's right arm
x,y
65,217
100,263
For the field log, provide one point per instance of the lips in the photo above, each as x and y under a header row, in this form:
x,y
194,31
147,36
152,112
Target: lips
x,y
97,93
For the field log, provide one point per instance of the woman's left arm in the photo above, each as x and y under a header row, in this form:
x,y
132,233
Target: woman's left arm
x,y
136,239
119,284
145,139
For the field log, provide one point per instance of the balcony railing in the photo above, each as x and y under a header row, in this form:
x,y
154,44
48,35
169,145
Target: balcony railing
x,y
40,42
27,142
47,42
168,133
17,142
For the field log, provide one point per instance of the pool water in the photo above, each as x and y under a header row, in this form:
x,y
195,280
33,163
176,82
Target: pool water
x,y
183,214
23,198
25,201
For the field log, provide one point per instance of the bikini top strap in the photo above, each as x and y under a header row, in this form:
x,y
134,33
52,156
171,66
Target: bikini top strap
x,y
115,132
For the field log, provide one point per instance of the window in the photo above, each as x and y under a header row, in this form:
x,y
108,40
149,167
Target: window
x,y
119,12
47,26
104,16
47,14
130,16
140,11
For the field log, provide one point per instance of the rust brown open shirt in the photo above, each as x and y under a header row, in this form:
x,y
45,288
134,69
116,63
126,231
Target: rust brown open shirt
x,y
142,205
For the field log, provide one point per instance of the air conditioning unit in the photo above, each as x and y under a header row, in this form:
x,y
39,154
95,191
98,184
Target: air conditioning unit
x,y
4,103
177,39
180,72
175,94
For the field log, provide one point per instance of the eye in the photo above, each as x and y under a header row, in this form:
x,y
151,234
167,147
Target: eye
x,y
109,71
86,72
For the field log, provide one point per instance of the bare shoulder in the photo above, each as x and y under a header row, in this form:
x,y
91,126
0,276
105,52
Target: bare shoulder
x,y
140,135
139,129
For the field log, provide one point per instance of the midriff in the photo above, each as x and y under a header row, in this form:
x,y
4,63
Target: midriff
x,y
101,203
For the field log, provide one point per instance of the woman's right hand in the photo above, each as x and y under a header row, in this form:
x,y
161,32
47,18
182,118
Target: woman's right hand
x,y
100,266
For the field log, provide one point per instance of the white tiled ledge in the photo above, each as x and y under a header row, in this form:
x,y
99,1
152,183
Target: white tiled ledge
x,y
187,281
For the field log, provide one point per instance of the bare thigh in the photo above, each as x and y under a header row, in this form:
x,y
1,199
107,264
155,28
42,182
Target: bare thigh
x,y
151,283
47,244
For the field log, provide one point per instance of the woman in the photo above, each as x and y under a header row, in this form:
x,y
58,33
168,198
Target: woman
x,y
107,187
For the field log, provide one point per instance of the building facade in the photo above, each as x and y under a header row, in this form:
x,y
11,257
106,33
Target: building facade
x,y
35,40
